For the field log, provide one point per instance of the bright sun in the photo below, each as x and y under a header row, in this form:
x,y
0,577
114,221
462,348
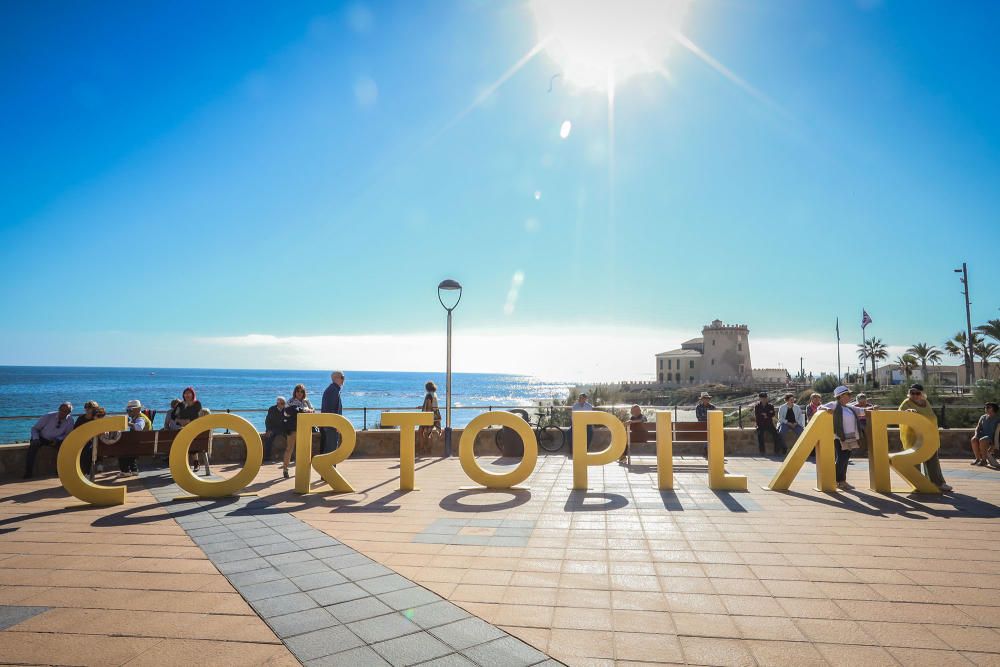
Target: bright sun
x,y
602,43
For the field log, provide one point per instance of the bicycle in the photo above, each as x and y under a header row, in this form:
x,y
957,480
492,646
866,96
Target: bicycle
x,y
549,436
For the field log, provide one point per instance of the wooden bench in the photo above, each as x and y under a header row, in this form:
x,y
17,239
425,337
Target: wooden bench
x,y
146,443
683,432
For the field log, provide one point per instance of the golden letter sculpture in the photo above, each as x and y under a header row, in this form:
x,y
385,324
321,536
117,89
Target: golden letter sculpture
x,y
467,450
582,459
187,480
407,423
920,437
718,479
322,463
664,451
819,434
68,463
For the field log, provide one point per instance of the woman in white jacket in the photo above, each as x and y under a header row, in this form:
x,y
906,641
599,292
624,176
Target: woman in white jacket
x,y
791,419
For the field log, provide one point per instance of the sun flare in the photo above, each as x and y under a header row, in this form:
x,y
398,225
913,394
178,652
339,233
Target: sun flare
x,y
602,43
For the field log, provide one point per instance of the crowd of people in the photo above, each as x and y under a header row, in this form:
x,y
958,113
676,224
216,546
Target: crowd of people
x,y
850,419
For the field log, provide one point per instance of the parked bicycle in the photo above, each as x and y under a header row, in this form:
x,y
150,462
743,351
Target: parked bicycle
x,y
549,436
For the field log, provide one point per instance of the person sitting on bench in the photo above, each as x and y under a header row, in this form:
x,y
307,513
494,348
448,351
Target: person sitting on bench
x,y
51,429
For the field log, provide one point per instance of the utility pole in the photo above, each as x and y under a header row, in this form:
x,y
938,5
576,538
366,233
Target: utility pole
x,y
802,369
970,364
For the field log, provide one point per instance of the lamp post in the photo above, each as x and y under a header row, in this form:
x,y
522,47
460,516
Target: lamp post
x,y
970,364
448,286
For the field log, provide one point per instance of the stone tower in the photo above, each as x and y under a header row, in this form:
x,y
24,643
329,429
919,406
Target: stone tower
x,y
727,353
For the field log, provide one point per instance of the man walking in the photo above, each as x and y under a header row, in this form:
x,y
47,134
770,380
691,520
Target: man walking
x,y
764,414
329,438
51,429
581,404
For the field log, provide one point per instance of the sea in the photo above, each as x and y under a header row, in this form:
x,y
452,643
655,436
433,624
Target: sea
x,y
30,391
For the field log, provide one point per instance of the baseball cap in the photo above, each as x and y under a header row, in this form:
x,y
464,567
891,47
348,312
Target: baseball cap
x,y
840,391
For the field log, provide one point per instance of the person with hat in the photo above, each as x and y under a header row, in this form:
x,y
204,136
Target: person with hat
x,y
916,401
764,414
137,421
51,430
704,405
846,430
982,439
861,401
791,418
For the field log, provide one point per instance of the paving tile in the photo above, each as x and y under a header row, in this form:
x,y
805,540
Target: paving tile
x,y
11,615
255,576
269,589
338,593
385,627
385,584
300,568
283,604
301,622
322,579
436,613
465,633
363,656
408,598
506,651
363,572
360,609
320,643
411,650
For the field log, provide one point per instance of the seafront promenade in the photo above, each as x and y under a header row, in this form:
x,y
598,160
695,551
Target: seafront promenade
x,y
619,574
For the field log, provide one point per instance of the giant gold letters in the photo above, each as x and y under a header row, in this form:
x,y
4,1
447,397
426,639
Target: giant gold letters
x,y
214,489
664,451
921,444
582,459
467,450
819,434
324,464
68,463
407,423
718,478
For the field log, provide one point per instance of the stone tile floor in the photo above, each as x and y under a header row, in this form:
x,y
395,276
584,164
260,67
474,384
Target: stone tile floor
x,y
619,574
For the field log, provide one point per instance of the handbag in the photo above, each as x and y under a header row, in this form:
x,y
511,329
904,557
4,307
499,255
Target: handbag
x,y
850,443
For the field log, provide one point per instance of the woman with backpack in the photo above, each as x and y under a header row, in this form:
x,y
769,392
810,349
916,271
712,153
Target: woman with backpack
x,y
424,434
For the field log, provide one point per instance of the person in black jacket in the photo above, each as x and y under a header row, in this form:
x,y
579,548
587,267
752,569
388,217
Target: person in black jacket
x,y
274,427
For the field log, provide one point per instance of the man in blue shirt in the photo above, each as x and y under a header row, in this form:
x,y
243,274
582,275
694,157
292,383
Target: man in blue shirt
x,y
51,429
329,438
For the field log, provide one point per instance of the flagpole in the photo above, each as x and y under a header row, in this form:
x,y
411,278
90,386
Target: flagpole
x,y
839,376
864,358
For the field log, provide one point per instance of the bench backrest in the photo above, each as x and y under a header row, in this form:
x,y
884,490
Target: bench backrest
x,y
148,442
682,432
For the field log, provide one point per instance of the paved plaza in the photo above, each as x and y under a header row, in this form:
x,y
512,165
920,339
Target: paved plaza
x,y
622,573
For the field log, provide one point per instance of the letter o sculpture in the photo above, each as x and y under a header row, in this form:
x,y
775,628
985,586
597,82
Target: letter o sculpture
x,y
198,487
491,480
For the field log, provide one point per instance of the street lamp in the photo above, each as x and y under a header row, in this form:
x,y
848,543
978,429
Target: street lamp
x,y
970,364
448,286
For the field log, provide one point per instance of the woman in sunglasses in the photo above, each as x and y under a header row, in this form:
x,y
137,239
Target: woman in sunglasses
x,y
916,401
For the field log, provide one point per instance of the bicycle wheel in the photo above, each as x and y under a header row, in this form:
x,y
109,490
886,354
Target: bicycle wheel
x,y
551,438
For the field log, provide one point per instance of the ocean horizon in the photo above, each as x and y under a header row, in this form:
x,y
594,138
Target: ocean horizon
x,y
36,390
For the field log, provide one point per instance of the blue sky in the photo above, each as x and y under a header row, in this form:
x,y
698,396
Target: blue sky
x,y
283,184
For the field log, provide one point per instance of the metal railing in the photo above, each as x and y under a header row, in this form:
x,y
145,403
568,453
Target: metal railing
x,y
730,410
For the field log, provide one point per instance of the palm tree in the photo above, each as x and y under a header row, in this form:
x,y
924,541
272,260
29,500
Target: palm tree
x,y
925,353
958,345
907,363
991,329
874,350
986,351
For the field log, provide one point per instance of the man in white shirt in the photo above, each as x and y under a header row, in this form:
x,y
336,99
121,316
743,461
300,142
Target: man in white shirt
x,y
51,429
846,429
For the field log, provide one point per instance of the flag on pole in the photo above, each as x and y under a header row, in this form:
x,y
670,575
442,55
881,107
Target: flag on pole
x,y
866,319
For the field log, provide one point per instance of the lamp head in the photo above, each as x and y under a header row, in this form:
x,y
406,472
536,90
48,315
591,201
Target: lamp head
x,y
449,285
